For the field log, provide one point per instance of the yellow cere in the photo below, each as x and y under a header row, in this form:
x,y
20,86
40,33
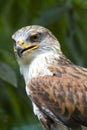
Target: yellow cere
x,y
21,43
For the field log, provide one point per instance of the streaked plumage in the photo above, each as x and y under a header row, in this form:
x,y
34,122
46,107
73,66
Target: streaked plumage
x,y
57,87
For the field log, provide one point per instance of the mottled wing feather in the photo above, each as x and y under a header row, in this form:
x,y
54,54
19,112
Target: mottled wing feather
x,y
63,96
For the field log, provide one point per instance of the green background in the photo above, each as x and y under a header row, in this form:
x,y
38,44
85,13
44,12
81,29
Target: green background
x,y
67,19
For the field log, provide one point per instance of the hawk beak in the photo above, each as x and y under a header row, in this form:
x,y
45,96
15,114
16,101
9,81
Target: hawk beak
x,y
22,48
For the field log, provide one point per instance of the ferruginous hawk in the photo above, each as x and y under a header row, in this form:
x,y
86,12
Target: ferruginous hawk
x,y
56,86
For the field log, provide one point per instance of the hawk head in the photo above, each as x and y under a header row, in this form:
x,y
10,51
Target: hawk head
x,y
31,41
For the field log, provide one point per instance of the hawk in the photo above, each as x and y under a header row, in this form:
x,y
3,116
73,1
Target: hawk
x,y
56,86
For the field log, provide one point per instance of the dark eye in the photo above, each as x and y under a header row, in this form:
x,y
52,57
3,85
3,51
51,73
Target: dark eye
x,y
35,37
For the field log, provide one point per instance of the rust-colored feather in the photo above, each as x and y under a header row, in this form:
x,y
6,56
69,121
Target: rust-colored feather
x,y
63,95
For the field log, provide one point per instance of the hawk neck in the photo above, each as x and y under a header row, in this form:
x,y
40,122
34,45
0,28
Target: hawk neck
x,y
39,66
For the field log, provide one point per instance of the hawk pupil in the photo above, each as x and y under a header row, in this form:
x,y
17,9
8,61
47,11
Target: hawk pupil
x,y
34,38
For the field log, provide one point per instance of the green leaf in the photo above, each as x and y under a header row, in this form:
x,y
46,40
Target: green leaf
x,y
51,15
8,58
81,3
30,127
7,74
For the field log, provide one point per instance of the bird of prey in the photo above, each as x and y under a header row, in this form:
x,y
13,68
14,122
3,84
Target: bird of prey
x,y
56,86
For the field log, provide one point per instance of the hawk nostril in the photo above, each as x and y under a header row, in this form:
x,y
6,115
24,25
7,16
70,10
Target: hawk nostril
x,y
21,43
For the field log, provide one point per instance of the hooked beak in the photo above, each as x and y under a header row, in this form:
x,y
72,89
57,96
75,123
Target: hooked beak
x,y
22,48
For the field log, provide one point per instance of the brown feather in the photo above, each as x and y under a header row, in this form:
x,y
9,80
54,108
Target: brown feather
x,y
64,94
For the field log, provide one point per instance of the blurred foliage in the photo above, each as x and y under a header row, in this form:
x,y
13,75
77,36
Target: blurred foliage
x,y
67,19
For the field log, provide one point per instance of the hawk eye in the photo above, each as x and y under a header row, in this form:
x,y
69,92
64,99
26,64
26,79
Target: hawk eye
x,y
35,37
